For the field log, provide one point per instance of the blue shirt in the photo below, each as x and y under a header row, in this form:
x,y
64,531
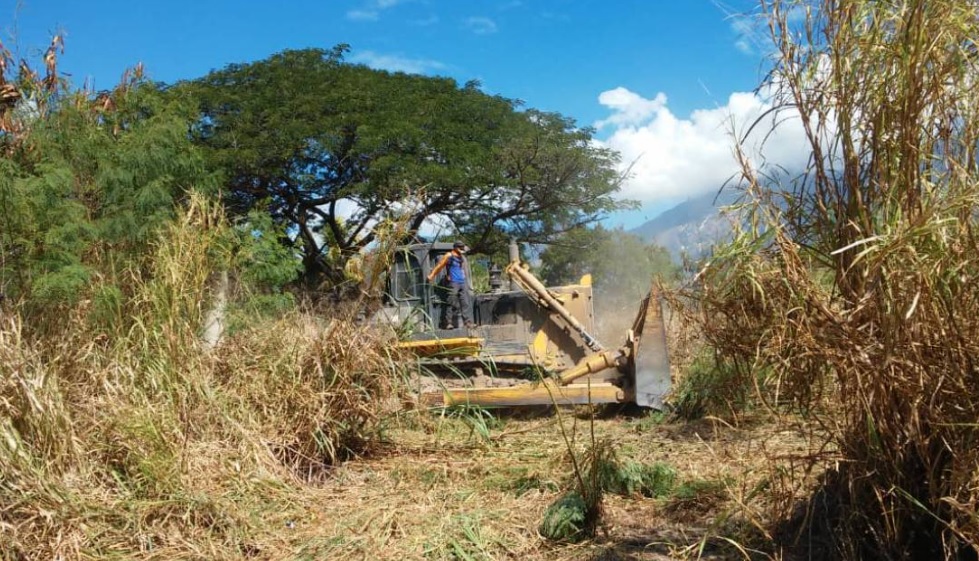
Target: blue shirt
x,y
455,270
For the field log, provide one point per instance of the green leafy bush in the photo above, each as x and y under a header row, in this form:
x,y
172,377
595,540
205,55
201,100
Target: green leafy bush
x,y
565,519
649,480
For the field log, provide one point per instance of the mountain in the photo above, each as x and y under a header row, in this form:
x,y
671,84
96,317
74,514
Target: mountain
x,y
691,227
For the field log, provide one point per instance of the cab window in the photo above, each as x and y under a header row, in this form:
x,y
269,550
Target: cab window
x,y
406,282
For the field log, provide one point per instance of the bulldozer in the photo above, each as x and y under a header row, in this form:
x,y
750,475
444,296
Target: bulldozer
x,y
530,345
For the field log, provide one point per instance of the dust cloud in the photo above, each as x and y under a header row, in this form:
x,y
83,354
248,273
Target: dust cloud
x,y
615,310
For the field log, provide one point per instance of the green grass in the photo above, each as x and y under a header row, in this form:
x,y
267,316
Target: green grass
x,y
715,387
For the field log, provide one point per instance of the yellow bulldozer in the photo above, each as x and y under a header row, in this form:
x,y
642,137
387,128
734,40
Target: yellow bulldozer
x,y
530,345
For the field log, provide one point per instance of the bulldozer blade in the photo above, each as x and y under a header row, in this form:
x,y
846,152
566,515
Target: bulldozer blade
x,y
650,363
529,394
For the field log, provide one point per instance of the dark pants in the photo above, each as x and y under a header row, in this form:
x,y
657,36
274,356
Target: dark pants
x,y
459,301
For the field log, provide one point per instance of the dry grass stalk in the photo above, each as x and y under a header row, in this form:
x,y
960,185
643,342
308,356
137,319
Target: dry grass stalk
x,y
138,444
314,388
858,289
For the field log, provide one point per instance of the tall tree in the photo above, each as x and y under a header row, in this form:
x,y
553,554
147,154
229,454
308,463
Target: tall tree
x,y
86,187
332,149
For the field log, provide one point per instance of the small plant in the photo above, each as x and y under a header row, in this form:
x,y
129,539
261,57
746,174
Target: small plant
x,y
479,420
466,542
651,420
577,514
696,489
649,480
566,519
694,498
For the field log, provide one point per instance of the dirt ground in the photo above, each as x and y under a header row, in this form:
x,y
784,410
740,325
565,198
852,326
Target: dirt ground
x,y
475,486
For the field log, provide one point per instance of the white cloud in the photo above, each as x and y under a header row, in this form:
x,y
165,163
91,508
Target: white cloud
x,y
675,158
481,25
371,10
396,63
629,107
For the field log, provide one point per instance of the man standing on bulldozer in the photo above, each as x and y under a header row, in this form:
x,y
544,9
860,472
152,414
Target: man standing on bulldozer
x,y
459,297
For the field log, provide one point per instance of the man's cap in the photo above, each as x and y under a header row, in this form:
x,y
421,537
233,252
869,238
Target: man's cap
x,y
458,244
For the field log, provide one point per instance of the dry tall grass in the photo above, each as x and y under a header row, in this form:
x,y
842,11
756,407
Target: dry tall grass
x,y
859,289
138,443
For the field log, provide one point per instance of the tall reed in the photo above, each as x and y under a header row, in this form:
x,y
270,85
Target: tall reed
x,y
137,441
856,281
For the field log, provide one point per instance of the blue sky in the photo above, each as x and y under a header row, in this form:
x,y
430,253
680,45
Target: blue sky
x,y
660,79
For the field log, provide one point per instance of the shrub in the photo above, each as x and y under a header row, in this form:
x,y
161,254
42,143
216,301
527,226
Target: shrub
x,y
566,518
649,480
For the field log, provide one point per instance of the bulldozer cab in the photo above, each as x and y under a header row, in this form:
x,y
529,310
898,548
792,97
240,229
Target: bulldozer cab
x,y
411,300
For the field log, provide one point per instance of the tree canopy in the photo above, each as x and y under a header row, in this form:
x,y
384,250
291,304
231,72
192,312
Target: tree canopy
x,y
332,149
